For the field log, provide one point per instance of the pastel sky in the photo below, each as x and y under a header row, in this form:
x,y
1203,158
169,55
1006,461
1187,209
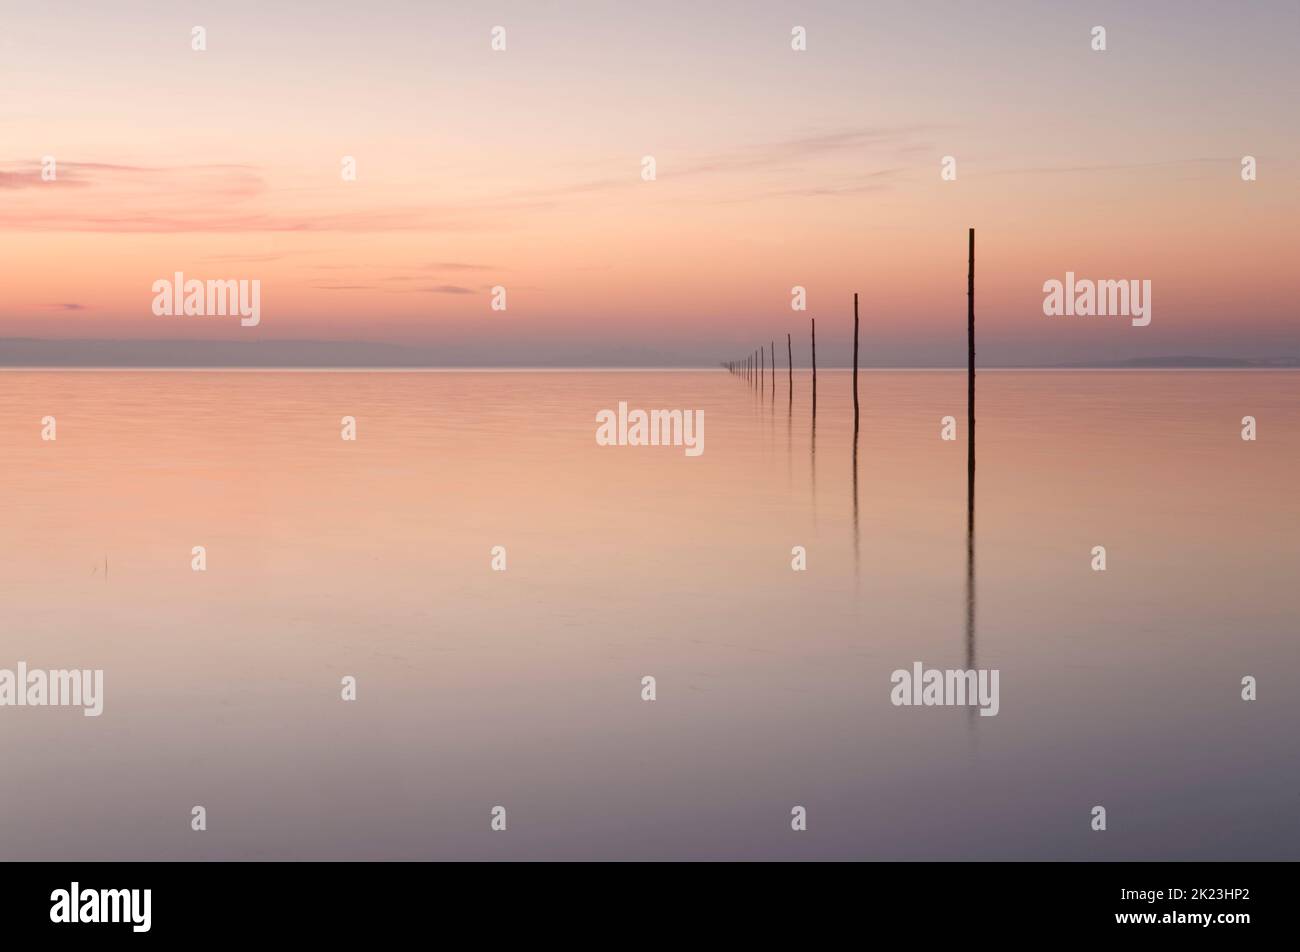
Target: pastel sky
x,y
775,168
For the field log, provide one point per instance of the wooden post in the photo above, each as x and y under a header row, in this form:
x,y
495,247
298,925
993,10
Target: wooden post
x,y
855,362
970,455
760,370
772,347
970,367
814,364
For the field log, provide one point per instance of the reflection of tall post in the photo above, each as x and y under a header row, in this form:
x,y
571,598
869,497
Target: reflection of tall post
x,y
970,574
812,443
789,363
814,362
857,536
970,455
855,367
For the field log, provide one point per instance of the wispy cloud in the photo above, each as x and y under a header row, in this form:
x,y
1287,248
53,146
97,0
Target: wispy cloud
x,y
196,198
445,289
775,167
228,178
246,258
234,198
1117,167
459,266
389,289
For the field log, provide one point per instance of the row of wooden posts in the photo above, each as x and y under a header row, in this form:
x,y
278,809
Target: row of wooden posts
x,y
754,367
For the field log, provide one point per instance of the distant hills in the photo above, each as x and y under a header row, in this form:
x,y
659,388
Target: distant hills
x,y
1154,363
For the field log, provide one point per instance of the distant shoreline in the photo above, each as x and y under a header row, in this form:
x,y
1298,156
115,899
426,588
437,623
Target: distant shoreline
x,y
35,353
1100,368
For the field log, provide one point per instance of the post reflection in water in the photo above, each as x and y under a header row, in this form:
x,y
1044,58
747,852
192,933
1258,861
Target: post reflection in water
x,y
857,536
812,453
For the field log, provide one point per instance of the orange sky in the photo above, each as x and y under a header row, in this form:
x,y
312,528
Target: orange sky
x,y
775,168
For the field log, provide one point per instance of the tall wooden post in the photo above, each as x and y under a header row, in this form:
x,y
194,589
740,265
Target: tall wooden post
x,y
772,348
970,363
855,362
970,455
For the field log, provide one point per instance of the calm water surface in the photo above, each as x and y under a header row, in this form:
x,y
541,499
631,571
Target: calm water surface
x,y
522,688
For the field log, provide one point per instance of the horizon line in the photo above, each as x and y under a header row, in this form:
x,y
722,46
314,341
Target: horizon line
x,y
325,368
